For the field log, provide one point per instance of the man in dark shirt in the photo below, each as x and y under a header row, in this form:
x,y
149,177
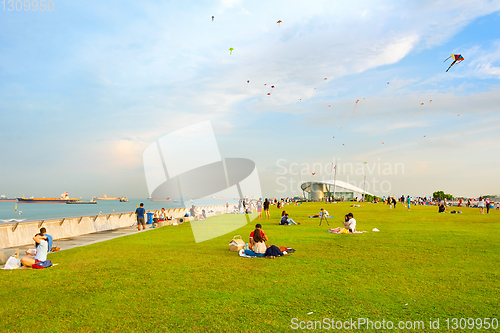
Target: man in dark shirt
x,y
140,217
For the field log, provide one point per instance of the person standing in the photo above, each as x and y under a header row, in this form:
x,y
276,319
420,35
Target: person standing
x,y
408,202
259,208
487,205
480,205
266,209
140,212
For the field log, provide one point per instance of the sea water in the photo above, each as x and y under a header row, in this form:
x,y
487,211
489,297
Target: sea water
x,y
45,211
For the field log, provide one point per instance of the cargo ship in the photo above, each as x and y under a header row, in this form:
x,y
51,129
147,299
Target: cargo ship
x,y
105,197
4,198
63,199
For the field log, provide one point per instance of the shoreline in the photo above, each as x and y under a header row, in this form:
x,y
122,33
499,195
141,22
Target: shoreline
x,y
15,234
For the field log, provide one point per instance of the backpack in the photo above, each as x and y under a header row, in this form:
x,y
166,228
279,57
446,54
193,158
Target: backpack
x,y
42,264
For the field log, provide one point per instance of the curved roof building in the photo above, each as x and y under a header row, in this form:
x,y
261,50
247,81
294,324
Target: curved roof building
x,y
326,188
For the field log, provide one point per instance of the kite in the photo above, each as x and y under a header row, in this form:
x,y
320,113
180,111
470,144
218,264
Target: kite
x,y
231,50
268,94
272,87
421,103
456,58
279,21
314,173
326,78
213,18
430,101
248,81
382,143
328,105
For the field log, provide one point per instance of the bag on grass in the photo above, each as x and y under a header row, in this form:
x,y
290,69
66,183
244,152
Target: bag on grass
x,y
12,263
42,264
236,244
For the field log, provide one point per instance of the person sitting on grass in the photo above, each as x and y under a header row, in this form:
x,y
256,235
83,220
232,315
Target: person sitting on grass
x,y
322,213
442,208
41,251
251,242
349,223
259,242
286,220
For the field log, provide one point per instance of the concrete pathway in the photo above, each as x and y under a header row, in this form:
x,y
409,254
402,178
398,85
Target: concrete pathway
x,y
76,241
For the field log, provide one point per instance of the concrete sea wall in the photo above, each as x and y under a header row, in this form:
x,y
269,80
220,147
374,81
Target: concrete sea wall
x,y
21,233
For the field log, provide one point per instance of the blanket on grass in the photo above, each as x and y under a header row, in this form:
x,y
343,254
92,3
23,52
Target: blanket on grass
x,y
271,251
331,231
312,216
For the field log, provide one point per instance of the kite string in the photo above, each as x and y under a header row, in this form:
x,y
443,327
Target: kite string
x,y
351,113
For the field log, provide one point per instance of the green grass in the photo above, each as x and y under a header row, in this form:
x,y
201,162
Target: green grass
x,y
440,265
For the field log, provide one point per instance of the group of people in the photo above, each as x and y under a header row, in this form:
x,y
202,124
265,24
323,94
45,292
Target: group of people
x,y
43,244
349,225
286,220
257,246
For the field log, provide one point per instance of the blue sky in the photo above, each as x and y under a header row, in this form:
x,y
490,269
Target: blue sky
x,y
85,88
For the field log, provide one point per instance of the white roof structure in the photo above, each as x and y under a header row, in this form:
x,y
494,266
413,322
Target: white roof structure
x,y
340,186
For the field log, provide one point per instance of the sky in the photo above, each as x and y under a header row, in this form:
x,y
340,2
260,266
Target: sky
x,y
87,86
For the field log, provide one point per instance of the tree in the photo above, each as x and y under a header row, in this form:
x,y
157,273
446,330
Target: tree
x,y
441,195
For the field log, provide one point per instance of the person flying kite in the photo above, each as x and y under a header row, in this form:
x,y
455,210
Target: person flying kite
x,y
456,58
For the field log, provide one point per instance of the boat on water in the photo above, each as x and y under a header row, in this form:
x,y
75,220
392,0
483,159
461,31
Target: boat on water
x,y
105,197
123,199
82,202
63,199
160,199
4,198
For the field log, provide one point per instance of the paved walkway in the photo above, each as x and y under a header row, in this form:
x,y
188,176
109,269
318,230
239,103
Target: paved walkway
x,y
82,240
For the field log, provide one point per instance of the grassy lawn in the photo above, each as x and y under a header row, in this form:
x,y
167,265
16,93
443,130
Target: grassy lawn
x,y
420,265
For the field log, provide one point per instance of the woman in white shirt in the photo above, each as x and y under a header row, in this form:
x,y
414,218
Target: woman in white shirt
x,y
259,245
480,205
